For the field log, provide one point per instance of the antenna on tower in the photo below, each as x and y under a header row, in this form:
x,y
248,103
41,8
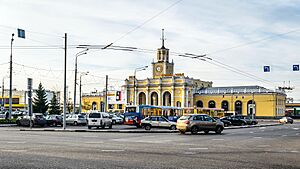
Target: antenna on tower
x,y
163,38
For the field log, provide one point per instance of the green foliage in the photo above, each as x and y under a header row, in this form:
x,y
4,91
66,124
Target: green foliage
x,y
8,121
54,107
40,103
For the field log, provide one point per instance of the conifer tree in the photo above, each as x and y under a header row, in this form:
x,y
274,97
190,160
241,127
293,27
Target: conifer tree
x,y
54,107
40,103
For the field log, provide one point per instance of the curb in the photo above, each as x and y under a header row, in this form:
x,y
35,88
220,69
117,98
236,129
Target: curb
x,y
139,131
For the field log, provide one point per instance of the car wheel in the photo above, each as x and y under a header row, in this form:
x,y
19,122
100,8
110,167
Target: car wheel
x,y
219,130
114,122
194,130
173,127
243,124
181,131
75,123
225,124
54,124
291,122
253,123
89,127
206,131
147,127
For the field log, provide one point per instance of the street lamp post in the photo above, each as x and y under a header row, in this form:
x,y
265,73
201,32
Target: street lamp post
x,y
10,76
82,74
75,83
134,88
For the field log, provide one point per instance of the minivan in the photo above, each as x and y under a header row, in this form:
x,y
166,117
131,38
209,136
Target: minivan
x,y
99,119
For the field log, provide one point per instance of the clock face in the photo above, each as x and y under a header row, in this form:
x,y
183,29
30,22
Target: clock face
x,y
158,68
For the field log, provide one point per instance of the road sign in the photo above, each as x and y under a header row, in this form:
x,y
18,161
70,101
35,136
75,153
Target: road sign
x,y
295,67
21,33
267,68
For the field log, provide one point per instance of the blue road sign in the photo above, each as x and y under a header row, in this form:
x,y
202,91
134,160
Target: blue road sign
x,y
21,33
295,67
267,68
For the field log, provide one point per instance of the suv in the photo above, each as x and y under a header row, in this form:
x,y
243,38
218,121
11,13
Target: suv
x,y
199,122
158,122
99,119
76,119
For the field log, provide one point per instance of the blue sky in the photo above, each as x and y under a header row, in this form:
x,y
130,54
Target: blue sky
x,y
199,27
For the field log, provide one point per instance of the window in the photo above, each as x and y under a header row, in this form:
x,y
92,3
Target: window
x,y
94,115
211,104
110,106
161,119
120,106
199,118
207,118
153,118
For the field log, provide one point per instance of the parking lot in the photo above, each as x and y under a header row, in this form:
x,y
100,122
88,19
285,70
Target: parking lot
x,y
259,147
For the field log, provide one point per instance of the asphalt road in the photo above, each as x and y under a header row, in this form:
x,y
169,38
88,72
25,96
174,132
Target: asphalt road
x,y
276,147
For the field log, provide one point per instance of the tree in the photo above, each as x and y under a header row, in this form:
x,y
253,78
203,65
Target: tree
x,y
40,103
54,107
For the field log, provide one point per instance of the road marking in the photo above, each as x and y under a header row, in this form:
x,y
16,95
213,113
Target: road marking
x,y
283,135
189,153
296,128
16,142
90,136
297,134
251,132
257,137
198,148
94,142
261,146
112,150
262,127
294,151
14,151
218,139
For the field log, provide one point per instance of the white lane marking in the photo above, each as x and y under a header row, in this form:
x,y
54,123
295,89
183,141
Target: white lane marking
x,y
283,135
112,150
262,127
94,142
90,136
198,148
251,132
16,142
297,134
189,153
218,139
294,151
14,151
296,128
257,137
261,146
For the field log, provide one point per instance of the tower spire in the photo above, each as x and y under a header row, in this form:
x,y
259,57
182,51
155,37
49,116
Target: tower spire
x,y
163,38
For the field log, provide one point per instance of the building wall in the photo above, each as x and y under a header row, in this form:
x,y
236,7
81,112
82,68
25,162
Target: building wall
x,y
266,104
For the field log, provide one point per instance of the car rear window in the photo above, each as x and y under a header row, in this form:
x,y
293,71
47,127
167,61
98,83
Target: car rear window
x,y
94,115
184,117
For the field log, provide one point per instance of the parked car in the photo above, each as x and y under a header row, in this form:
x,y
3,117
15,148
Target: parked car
x,y
226,122
37,119
54,120
286,120
235,121
157,122
249,121
99,119
76,119
117,120
199,122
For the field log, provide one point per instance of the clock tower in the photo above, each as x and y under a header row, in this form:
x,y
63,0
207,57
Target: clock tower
x,y
162,66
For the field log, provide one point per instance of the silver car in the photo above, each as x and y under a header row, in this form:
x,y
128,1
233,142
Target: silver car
x,y
158,122
76,119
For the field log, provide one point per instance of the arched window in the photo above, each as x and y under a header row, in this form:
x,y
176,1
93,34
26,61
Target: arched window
x,y
178,104
94,106
142,98
211,104
225,105
154,99
102,106
238,107
199,103
167,99
251,107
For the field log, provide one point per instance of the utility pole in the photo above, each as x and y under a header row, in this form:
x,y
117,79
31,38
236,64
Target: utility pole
x,y
10,76
3,104
106,84
65,84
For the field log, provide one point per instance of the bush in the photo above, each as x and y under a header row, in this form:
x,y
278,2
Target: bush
x,y
8,121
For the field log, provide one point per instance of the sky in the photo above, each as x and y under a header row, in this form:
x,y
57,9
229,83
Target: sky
x,y
240,37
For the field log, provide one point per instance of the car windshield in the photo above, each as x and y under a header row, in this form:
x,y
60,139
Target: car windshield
x,y
94,115
81,117
184,118
39,116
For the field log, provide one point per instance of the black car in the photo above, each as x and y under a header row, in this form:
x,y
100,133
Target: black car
x,y
235,121
226,122
54,120
249,121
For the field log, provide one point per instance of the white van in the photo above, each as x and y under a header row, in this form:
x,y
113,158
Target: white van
x,y
99,119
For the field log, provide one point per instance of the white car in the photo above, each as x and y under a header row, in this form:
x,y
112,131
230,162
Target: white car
x,y
286,120
99,119
117,120
158,122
